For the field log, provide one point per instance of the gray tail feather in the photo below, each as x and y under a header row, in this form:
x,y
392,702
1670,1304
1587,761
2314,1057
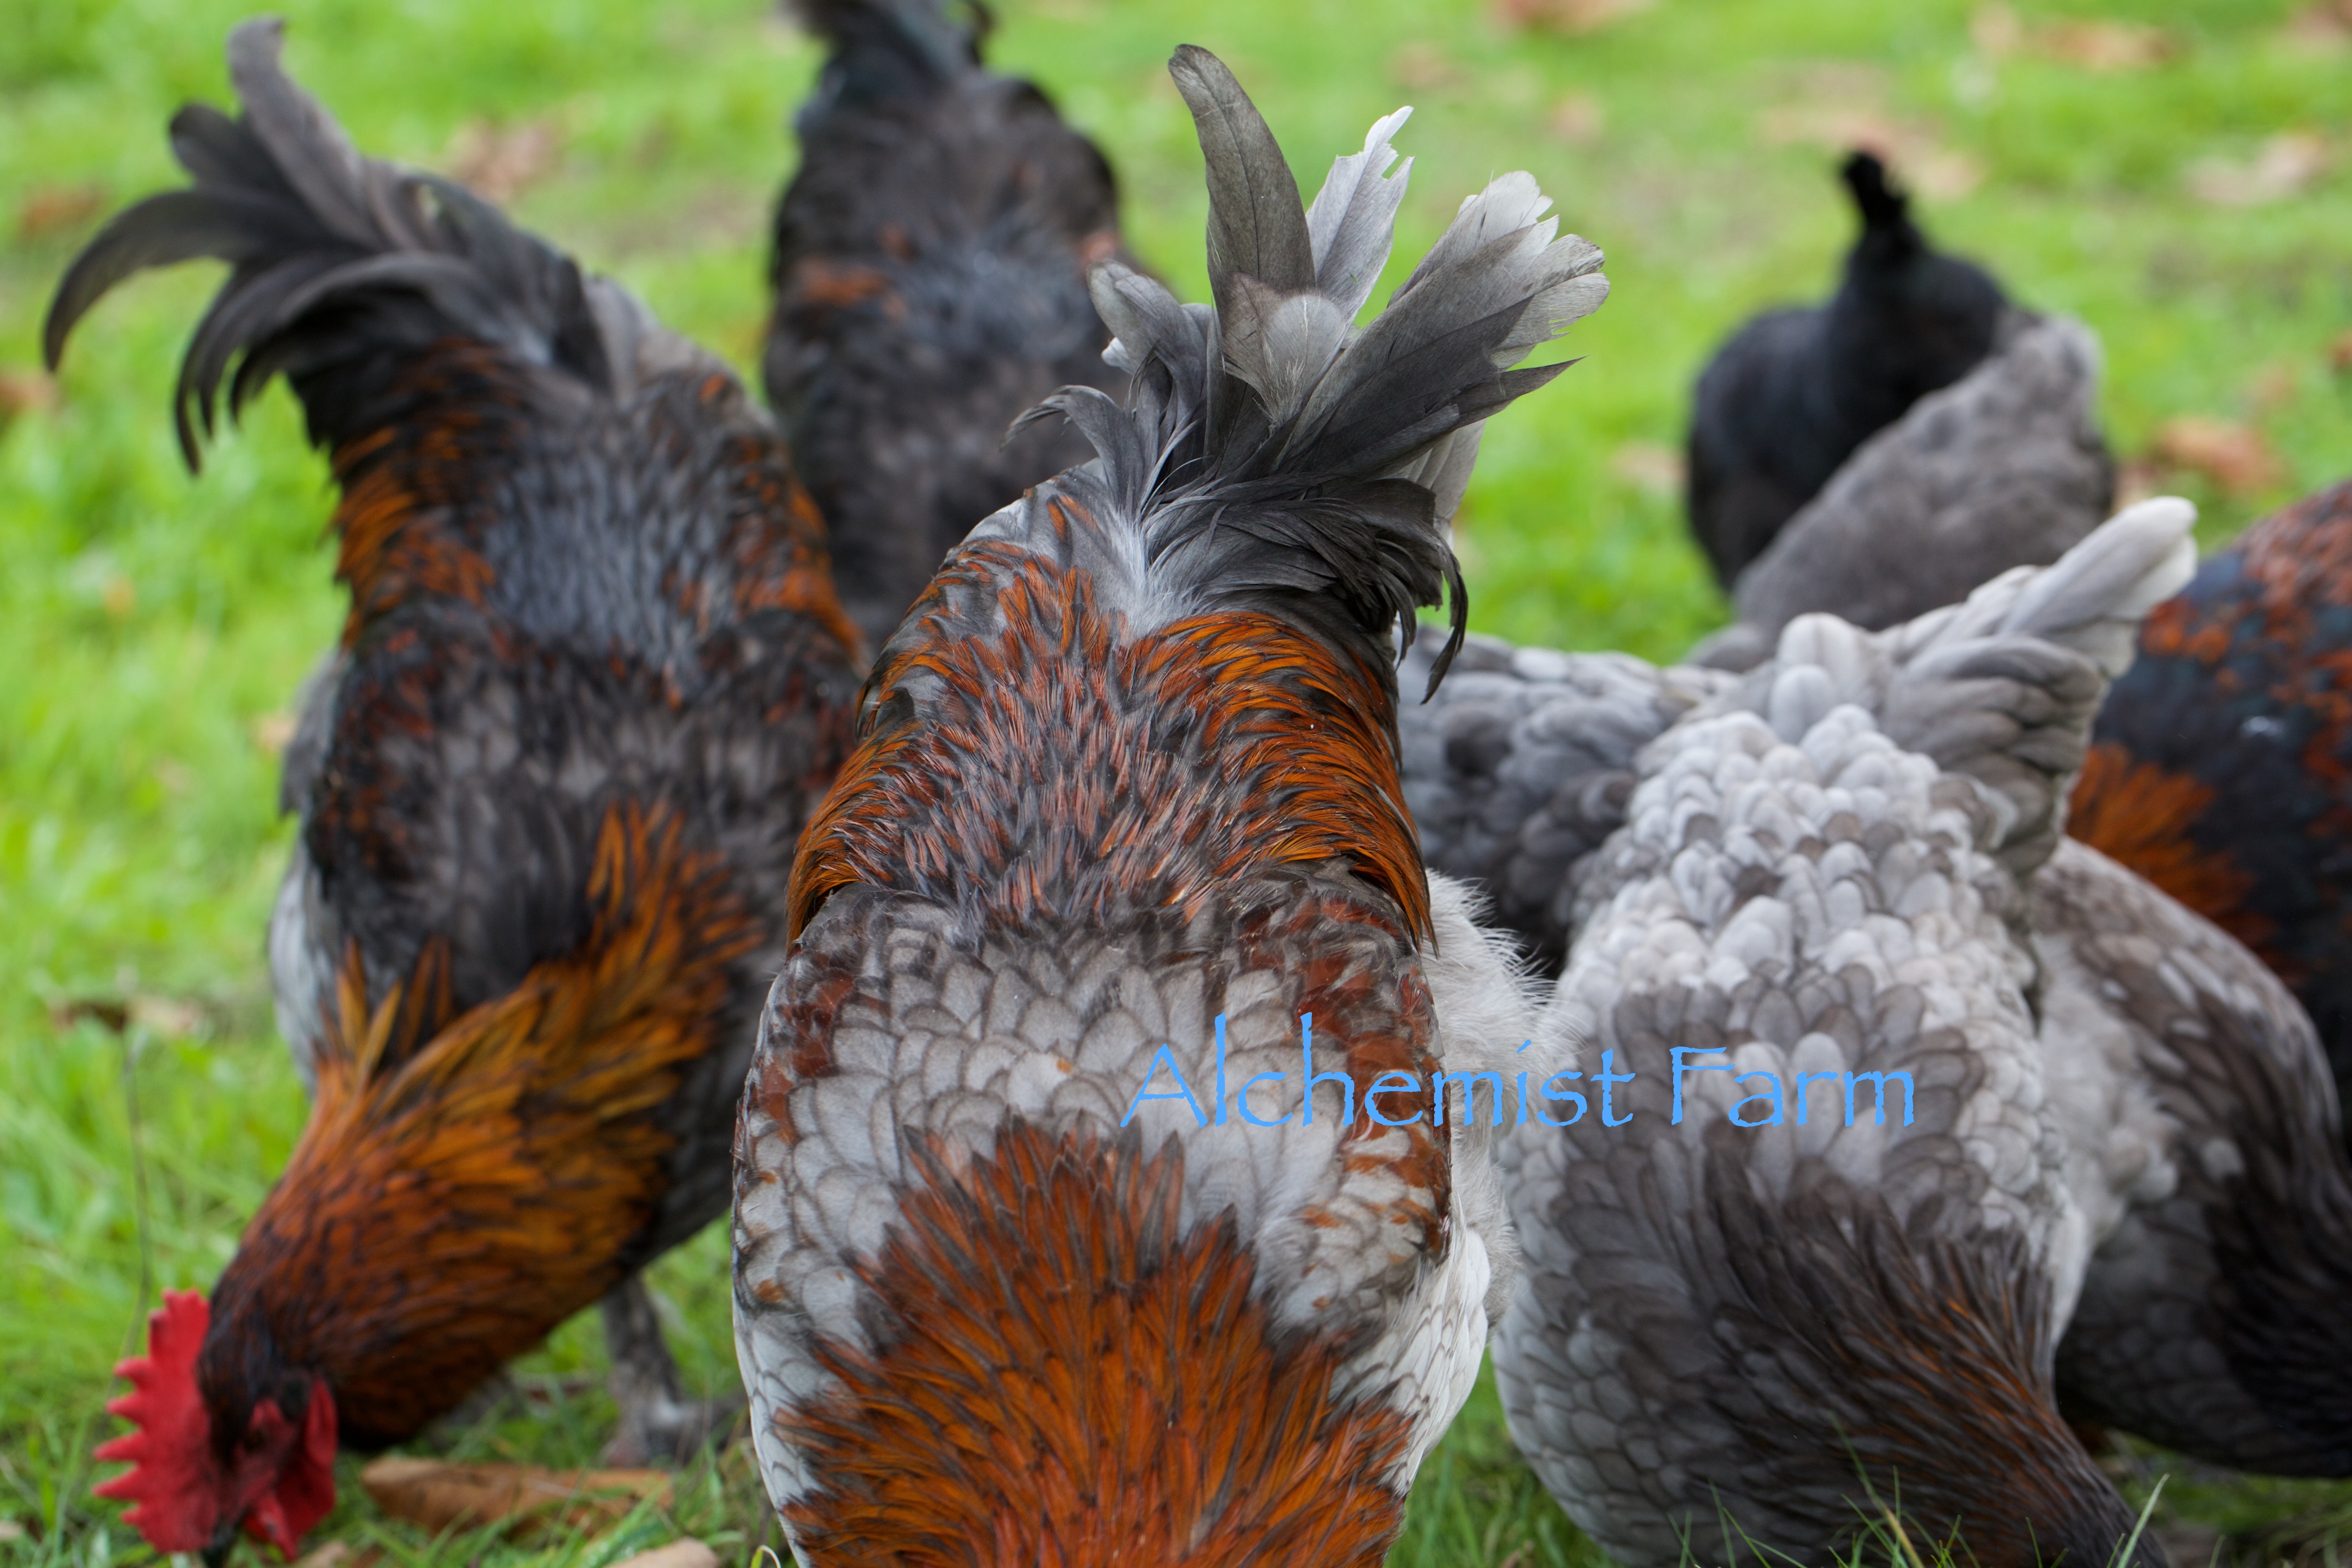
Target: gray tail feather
x,y
1277,454
336,257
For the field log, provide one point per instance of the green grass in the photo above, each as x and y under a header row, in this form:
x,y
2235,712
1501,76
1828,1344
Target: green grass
x,y
153,627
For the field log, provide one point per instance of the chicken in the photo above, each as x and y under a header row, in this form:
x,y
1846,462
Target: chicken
x,y
1756,1312
929,275
2208,1151
1786,401
2218,769
1123,838
593,683
2004,467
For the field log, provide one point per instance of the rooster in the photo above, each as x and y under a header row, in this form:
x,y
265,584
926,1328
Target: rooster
x,y
593,683
1122,837
1786,401
1818,1261
931,284
2221,766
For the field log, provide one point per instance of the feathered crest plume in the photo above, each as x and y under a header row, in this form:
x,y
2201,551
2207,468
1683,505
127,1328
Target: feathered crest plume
x,y
335,254
1276,453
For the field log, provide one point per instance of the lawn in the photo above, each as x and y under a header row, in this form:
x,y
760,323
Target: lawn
x,y
2170,173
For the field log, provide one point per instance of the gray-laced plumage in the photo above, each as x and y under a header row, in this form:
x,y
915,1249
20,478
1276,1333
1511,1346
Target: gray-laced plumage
x,y
1126,792
2207,1148
1736,1325
929,281
2004,467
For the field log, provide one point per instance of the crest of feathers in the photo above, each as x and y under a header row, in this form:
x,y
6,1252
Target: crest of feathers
x,y
1276,456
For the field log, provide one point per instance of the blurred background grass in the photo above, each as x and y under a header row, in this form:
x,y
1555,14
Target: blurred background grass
x,y
2173,173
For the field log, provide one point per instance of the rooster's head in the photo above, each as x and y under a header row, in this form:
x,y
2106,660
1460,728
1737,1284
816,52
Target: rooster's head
x,y
265,1463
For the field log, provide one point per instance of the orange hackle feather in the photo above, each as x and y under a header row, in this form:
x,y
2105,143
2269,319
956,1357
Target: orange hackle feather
x,y
2142,814
450,1202
1061,770
1063,1377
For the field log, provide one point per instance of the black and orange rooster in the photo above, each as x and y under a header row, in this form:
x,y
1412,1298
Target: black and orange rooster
x,y
594,681
1124,821
2221,766
931,283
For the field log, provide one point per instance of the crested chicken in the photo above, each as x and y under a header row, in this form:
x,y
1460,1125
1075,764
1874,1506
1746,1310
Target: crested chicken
x,y
1817,1263
1046,1249
931,286
593,683
2221,766
1786,401
2004,467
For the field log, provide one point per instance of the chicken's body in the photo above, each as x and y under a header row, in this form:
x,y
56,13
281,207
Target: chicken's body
x,y
929,275
1827,1253
1124,819
2004,467
2208,1153
593,683
1786,401
2221,766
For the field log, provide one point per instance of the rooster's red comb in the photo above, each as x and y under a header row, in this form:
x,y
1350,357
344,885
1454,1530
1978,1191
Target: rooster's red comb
x,y
169,1447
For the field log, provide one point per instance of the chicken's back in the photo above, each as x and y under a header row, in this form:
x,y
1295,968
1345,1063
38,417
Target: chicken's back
x,y
2221,766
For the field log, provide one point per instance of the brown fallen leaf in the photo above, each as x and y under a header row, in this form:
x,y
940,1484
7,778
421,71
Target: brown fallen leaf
x,y
2233,456
2326,24
683,1552
2286,163
1913,150
25,391
1578,118
1572,17
11,1531
1648,467
437,1495
2339,353
341,1554
500,163
1422,67
2094,45
48,209
271,732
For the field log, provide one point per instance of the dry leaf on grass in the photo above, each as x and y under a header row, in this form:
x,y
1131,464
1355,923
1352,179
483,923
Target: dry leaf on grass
x,y
1648,467
684,1552
2339,353
436,1494
2288,162
1572,17
271,732
1578,118
25,391
2233,456
1422,67
500,163
2326,24
341,1554
1913,150
2101,44
47,209
11,1531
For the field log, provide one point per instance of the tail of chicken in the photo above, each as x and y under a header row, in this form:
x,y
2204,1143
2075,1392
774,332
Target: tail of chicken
x,y
1277,458
2001,688
343,266
883,49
